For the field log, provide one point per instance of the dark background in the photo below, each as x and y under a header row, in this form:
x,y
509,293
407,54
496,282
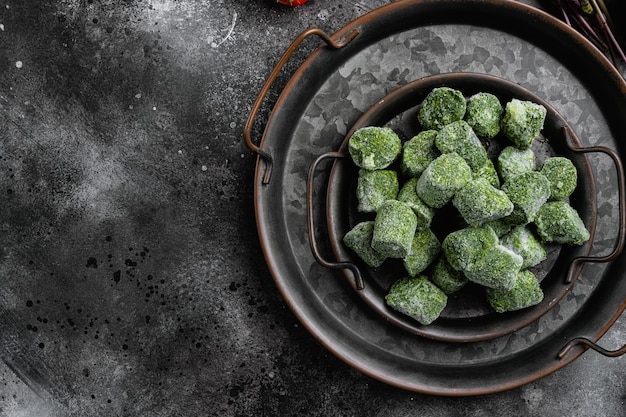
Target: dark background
x,y
133,283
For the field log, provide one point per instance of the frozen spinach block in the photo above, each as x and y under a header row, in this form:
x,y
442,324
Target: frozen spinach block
x,y
528,192
559,222
394,228
483,114
499,226
513,161
424,249
562,175
525,293
359,239
374,188
441,106
488,172
480,202
460,138
442,179
495,267
417,298
418,152
523,241
374,147
408,194
463,247
522,121
448,279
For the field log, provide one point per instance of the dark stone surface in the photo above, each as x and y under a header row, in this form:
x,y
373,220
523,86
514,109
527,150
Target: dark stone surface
x,y
133,283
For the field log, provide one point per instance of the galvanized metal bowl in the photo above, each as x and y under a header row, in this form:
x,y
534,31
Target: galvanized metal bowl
x,y
467,316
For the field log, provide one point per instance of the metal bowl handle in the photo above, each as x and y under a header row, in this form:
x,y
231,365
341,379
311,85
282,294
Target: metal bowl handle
x,y
247,131
607,258
590,344
621,200
311,223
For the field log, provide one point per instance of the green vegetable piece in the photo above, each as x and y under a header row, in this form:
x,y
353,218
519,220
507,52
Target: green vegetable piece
x,y
559,222
500,227
408,194
463,247
424,249
488,172
442,179
495,267
513,161
483,114
562,175
374,188
525,293
447,278
359,240
528,192
417,298
374,147
418,153
480,202
523,241
394,228
441,106
522,121
460,138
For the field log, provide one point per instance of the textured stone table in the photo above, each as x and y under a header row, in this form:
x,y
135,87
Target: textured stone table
x,y
133,283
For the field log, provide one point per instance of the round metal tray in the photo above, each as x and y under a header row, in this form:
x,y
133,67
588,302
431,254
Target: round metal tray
x,y
346,75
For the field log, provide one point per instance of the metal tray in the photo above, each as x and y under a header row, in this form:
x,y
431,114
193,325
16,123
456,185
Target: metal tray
x,y
346,75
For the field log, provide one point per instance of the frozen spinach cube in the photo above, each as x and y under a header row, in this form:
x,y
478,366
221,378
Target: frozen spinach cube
x,y
463,247
408,194
418,152
374,147
523,241
359,239
441,106
460,138
528,192
374,188
417,298
394,228
488,172
480,202
424,249
559,222
448,279
483,114
442,179
525,293
562,175
499,226
522,122
495,267
513,161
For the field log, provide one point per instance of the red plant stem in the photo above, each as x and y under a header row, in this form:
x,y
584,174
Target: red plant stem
x,y
588,29
614,45
564,12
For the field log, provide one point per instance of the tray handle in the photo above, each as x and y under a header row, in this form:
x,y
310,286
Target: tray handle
x,y
311,223
606,258
590,344
621,200
247,131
